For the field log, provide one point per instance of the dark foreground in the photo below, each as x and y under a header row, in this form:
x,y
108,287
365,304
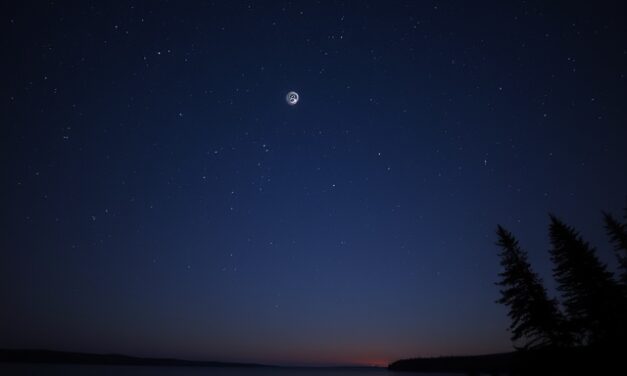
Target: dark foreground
x,y
578,361
55,363
44,369
62,357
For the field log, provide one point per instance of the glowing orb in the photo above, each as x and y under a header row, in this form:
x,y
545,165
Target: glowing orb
x,y
292,98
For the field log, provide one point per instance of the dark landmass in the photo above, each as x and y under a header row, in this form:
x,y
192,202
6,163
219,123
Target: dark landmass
x,y
493,363
48,356
64,357
574,361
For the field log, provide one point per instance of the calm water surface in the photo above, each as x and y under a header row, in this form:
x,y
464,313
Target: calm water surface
x,y
11,369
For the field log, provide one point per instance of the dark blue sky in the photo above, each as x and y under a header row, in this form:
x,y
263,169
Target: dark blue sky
x,y
159,197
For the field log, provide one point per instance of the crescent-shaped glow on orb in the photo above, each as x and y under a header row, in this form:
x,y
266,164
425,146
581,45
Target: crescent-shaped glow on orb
x,y
292,98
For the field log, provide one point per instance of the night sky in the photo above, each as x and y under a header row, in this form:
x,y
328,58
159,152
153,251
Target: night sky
x,y
161,198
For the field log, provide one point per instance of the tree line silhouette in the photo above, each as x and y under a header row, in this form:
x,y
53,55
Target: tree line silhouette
x,y
592,311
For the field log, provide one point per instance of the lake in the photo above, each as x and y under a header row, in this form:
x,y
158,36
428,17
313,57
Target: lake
x,y
19,369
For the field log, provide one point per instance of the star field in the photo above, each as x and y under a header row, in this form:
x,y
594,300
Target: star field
x,y
160,197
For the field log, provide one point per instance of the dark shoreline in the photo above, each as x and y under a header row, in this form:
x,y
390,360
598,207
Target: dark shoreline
x,y
573,361
36,356
64,357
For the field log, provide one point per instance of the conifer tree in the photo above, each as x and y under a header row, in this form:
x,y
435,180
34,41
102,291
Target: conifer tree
x,y
617,233
536,319
593,300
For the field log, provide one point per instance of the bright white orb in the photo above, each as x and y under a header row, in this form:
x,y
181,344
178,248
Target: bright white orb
x,y
292,98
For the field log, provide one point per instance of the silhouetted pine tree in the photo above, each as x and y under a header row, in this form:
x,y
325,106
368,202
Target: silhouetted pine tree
x,y
618,235
535,318
593,299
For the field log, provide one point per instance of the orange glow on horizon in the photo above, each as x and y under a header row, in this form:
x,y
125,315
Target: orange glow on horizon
x,y
375,363
333,361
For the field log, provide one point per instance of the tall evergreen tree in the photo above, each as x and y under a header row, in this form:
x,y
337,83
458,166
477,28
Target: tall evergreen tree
x,y
593,300
618,235
535,318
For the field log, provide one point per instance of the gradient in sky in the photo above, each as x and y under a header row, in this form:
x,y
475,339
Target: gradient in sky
x,y
160,198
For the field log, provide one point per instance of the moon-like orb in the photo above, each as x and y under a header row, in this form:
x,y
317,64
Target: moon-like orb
x,y
292,98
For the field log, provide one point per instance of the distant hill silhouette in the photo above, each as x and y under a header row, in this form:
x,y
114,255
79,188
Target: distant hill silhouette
x,y
565,361
48,356
63,357
493,363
